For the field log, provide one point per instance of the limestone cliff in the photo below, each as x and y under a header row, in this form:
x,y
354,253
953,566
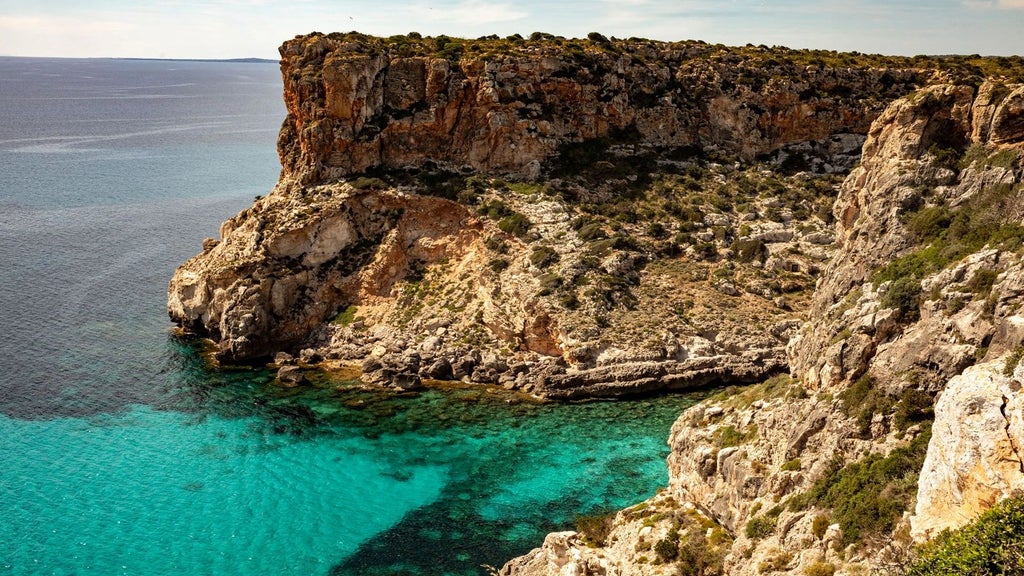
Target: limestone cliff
x,y
605,218
506,108
446,264
811,474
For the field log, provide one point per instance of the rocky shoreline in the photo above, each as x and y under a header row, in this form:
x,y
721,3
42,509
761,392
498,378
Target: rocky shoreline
x,y
588,219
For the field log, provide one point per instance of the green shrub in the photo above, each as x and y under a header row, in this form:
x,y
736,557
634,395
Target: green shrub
x,y
929,222
1013,360
904,294
843,334
543,256
346,316
516,224
946,235
496,245
592,232
791,466
656,230
982,281
568,299
820,569
749,250
993,544
595,529
698,557
820,525
760,526
364,183
944,156
728,436
1002,159
862,400
979,154
452,51
913,407
869,496
495,210
705,250
775,563
498,264
667,549
549,283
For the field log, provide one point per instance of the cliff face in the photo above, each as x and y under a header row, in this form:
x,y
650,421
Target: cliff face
x,y
935,205
902,173
351,107
554,285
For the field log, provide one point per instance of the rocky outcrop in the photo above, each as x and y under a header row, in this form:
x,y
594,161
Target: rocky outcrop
x,y
974,460
409,287
758,463
906,167
601,219
292,262
505,108
535,286
642,540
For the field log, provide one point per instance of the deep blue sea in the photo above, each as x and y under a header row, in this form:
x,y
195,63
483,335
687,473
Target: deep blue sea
x,y
122,452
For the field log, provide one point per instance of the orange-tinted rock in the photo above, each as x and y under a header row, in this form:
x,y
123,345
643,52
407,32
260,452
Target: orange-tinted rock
x,y
352,106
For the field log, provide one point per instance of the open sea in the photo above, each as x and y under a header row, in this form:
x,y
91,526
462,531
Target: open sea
x,y
122,452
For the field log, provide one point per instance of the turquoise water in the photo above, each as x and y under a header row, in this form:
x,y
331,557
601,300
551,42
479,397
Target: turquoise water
x,y
124,453
232,475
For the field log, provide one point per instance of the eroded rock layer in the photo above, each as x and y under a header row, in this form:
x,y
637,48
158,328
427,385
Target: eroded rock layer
x,y
557,284
355,103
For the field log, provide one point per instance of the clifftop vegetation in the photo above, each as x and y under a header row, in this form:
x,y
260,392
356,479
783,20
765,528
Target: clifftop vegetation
x,y
959,68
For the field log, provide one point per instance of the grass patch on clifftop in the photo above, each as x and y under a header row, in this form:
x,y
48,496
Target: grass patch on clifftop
x,y
760,63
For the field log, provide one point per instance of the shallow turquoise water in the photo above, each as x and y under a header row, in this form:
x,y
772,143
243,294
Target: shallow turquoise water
x,y
123,453
149,492
233,475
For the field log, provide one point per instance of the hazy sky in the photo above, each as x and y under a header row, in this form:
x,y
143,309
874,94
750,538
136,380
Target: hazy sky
x,y
254,28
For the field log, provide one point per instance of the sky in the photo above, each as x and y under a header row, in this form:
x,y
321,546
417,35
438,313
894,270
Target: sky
x,y
255,28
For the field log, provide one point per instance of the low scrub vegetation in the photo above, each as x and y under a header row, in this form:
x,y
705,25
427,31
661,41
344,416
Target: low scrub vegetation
x,y
993,544
863,400
946,235
595,529
760,61
760,526
869,496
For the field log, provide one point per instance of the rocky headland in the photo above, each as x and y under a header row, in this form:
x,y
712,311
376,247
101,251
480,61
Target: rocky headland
x,y
604,218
